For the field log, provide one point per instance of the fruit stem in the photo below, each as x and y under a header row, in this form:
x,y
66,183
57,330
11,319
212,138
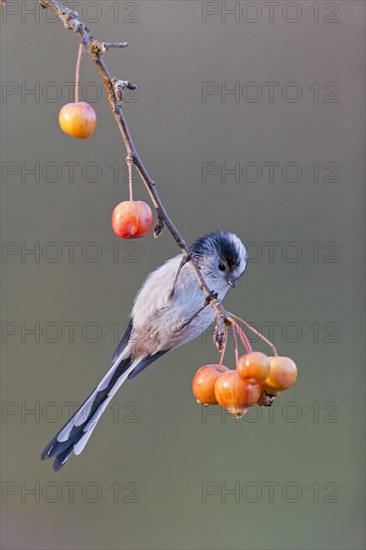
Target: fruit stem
x,y
129,165
77,73
243,337
235,344
223,351
256,332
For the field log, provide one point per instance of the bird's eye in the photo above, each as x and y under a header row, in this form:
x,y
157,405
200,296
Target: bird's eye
x,y
221,267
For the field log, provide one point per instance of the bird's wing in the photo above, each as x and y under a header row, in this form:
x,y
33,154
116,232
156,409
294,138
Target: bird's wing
x,y
145,363
123,341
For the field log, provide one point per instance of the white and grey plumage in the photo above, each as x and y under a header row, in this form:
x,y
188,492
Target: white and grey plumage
x,y
153,328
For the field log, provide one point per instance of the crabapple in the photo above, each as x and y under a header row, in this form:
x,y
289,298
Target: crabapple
x,y
203,384
78,119
282,374
234,394
132,219
253,367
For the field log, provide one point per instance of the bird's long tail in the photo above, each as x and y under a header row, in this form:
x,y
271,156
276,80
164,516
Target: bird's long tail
x,y
75,434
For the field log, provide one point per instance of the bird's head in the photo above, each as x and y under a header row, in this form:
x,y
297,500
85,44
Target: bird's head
x,y
221,257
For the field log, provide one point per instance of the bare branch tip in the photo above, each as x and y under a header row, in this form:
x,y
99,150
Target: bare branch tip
x,y
131,85
105,46
158,229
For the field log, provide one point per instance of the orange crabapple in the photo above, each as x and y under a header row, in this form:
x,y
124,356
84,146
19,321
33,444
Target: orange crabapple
x,y
203,384
78,119
132,219
234,394
253,367
282,375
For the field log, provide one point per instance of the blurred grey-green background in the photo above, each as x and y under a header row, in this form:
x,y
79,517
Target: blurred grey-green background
x,y
159,473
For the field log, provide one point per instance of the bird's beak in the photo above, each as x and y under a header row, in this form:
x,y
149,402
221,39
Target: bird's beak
x,y
231,281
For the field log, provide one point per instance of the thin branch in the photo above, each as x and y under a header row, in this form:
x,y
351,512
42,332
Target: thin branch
x,y
188,321
208,299
71,21
105,46
183,262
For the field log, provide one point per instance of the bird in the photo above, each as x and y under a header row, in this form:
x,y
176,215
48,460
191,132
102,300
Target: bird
x,y
169,310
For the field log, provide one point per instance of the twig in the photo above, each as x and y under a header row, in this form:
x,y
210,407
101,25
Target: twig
x,y
208,299
105,46
96,49
183,262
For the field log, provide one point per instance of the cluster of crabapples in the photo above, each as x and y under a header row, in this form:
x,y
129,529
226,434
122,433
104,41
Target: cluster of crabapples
x,y
130,219
258,379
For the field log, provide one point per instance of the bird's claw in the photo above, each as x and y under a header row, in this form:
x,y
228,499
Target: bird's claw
x,y
212,296
220,335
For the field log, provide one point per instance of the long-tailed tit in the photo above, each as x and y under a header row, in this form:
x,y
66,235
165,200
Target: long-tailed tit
x,y
163,317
